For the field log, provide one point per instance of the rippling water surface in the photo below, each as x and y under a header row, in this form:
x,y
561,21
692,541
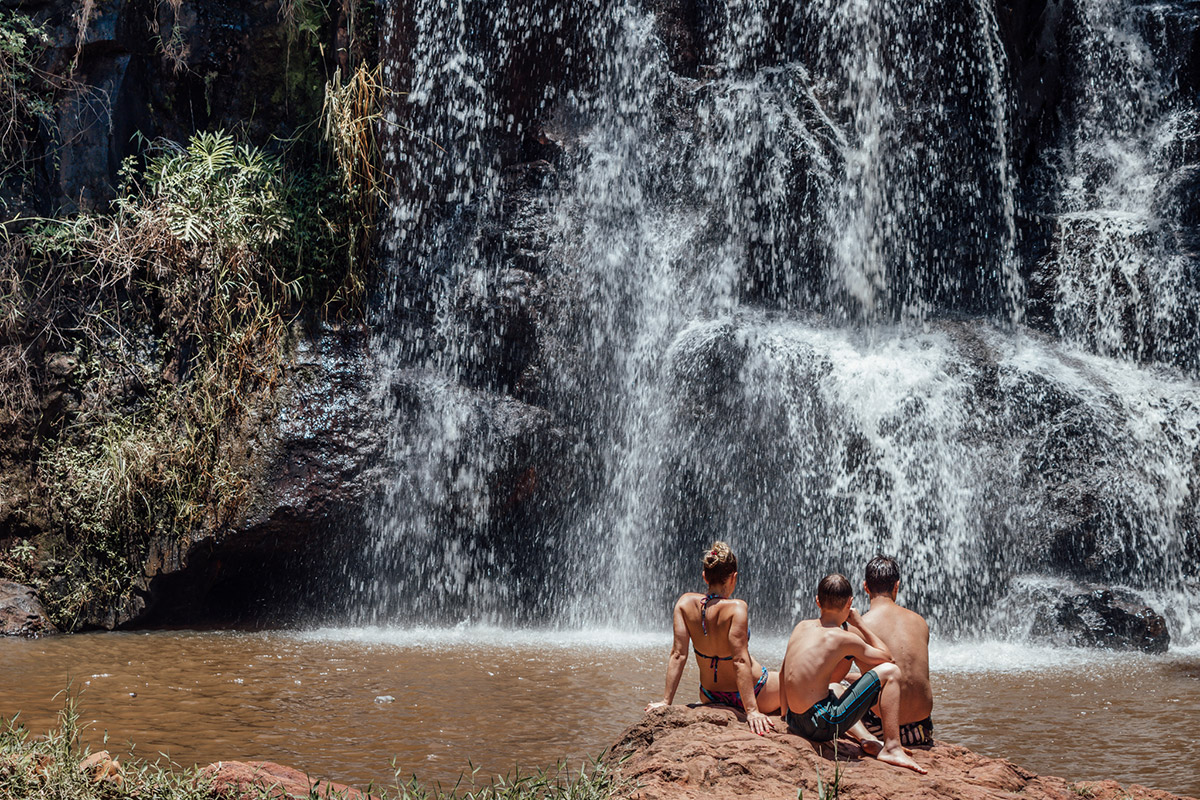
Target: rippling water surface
x,y
494,699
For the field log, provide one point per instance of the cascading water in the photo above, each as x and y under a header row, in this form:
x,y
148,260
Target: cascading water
x,y
1121,264
645,294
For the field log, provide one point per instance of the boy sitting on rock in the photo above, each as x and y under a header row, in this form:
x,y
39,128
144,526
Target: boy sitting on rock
x,y
819,655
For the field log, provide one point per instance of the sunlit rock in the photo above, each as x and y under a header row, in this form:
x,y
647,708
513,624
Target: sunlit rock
x,y
678,753
21,612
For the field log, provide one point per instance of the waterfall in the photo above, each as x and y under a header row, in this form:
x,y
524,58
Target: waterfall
x,y
753,277
1122,277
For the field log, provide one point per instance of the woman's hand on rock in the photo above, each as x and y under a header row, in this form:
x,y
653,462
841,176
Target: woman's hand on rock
x,y
759,722
657,704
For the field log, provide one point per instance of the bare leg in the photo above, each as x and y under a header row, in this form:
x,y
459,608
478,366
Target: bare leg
x,y
768,698
866,740
869,744
889,711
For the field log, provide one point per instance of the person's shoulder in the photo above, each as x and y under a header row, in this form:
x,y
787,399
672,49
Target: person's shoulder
x,y
913,617
686,597
802,626
844,637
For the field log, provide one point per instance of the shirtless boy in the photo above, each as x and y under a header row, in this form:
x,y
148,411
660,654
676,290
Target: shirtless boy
x,y
819,655
906,635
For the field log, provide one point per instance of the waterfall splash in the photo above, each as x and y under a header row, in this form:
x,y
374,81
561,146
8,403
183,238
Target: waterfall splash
x,y
1121,264
748,272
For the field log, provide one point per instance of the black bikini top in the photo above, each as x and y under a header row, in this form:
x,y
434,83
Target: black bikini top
x,y
704,627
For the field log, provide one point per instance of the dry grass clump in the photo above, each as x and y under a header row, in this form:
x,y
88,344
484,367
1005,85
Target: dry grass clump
x,y
352,114
594,780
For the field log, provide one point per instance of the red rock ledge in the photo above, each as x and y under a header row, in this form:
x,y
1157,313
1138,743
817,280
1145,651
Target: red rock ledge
x,y
266,780
683,753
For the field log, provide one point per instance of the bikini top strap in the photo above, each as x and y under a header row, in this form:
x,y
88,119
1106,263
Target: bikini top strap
x,y
704,610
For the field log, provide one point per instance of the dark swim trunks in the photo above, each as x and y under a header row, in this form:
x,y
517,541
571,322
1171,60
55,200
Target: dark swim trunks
x,y
834,715
914,734
734,698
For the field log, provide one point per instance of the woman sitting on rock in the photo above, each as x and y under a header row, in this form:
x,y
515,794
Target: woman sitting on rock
x,y
719,629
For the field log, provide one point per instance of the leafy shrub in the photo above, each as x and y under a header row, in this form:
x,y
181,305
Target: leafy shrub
x,y
22,104
176,307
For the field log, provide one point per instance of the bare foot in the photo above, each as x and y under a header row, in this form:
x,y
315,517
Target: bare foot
x,y
898,758
872,747
866,740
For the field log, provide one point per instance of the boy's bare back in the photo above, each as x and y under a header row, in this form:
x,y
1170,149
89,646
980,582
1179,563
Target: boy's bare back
x,y
816,656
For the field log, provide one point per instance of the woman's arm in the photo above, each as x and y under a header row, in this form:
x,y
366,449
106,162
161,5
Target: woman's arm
x,y
739,641
678,658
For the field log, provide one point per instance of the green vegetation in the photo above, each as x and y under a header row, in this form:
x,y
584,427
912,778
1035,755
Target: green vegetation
x,y
831,790
143,345
23,104
49,768
175,306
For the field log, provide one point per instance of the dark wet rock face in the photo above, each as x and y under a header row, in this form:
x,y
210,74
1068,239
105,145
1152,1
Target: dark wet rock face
x,y
311,457
487,511
164,69
21,613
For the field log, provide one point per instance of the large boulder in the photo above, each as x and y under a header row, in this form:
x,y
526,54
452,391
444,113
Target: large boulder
x,y
1103,617
1063,612
21,612
678,753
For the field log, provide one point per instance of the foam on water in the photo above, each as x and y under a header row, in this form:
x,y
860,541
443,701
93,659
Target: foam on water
x,y
472,637
946,656
981,656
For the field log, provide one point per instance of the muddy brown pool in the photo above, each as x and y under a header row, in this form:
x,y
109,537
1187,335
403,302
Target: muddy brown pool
x,y
495,699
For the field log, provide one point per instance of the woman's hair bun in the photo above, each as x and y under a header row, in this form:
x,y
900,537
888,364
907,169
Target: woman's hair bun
x,y
719,562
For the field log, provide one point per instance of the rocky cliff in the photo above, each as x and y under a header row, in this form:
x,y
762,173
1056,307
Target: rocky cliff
x,y
116,350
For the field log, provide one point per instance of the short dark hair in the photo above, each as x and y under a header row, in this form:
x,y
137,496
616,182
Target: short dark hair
x,y
882,575
833,591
